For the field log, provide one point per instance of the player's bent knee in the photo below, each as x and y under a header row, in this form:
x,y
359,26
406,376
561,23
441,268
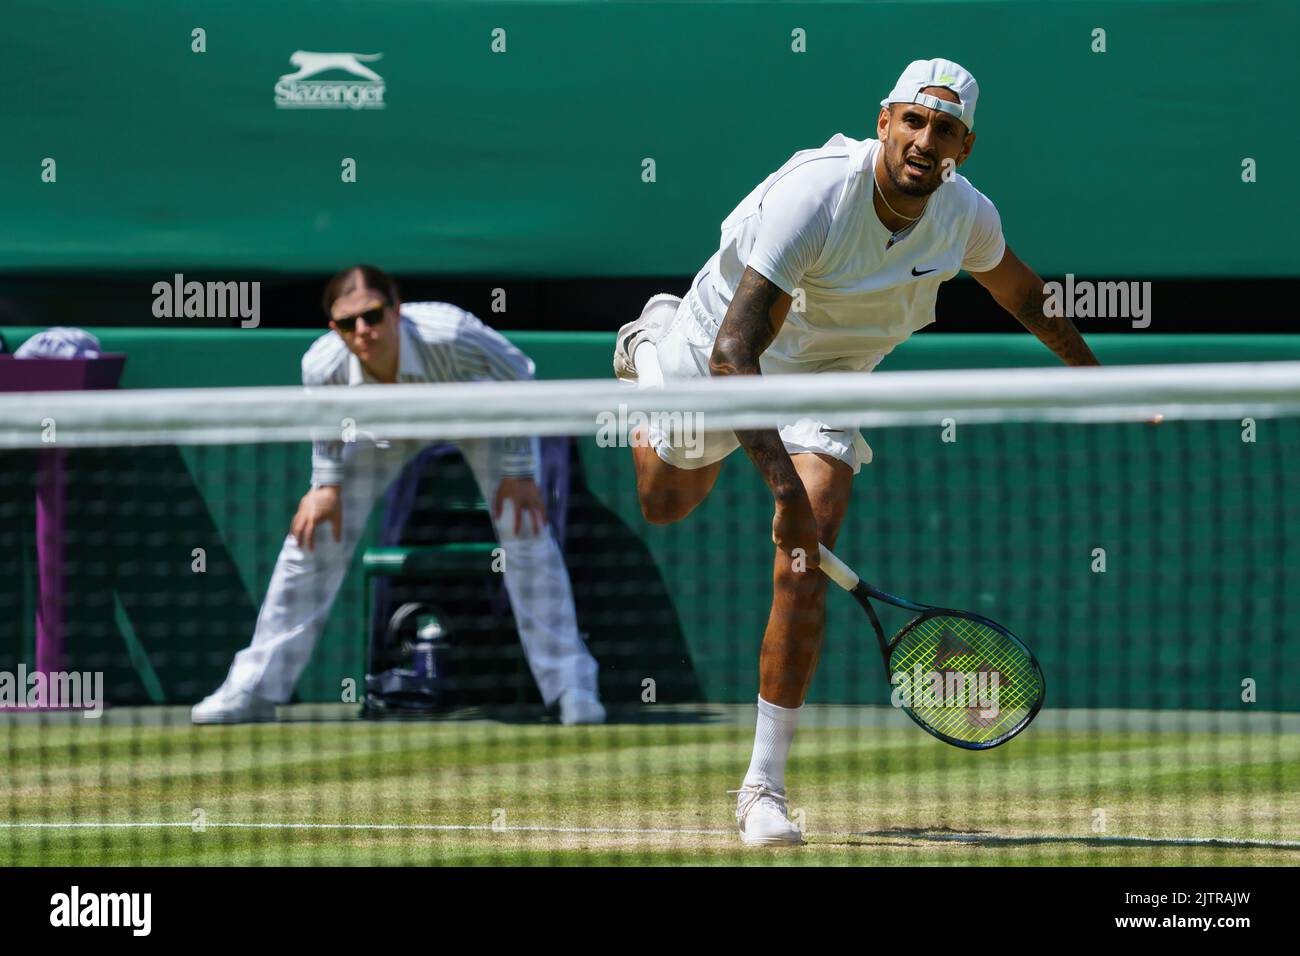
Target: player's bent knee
x,y
668,501
806,585
664,509
662,503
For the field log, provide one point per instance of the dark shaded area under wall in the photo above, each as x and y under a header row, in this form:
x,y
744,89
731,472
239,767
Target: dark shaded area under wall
x,y
601,305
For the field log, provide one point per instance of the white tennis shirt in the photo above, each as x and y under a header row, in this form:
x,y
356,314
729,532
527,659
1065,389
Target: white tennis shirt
x,y
811,225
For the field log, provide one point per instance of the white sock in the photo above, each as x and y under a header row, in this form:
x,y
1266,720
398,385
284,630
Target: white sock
x,y
646,361
772,738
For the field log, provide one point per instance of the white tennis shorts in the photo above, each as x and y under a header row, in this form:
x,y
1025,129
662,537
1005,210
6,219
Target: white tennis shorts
x,y
684,353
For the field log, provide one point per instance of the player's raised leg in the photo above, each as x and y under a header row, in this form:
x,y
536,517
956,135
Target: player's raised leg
x,y
651,326
792,645
670,481
666,492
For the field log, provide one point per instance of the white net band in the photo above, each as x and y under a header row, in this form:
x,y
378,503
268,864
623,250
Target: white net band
x,y
494,409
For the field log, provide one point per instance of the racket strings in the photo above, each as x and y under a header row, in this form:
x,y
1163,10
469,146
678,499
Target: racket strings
x,y
937,647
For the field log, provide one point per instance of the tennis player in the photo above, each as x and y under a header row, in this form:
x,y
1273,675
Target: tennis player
x,y
375,338
826,266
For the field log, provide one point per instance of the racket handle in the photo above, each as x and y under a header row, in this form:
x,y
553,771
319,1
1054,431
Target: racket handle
x,y
837,570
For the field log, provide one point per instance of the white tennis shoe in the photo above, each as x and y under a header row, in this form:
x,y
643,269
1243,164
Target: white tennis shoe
x,y
650,327
761,814
227,706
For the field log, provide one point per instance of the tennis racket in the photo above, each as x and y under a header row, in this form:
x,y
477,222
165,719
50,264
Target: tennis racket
x,y
965,679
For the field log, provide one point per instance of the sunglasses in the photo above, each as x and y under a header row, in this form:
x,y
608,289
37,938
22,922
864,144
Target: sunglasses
x,y
373,317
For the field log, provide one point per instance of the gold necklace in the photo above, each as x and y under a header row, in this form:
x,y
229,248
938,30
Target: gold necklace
x,y
910,220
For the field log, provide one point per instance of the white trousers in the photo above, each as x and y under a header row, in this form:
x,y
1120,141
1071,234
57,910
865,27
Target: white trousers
x,y
305,583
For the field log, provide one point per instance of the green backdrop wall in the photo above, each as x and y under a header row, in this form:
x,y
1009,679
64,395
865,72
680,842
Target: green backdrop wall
x,y
1201,530
529,161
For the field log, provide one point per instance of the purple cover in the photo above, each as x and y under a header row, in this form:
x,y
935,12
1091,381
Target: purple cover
x,y
54,375
60,375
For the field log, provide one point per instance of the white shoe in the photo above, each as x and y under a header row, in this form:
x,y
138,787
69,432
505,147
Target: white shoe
x,y
761,814
226,706
650,327
580,707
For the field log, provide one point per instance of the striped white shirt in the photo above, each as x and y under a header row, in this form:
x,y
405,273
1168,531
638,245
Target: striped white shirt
x,y
439,343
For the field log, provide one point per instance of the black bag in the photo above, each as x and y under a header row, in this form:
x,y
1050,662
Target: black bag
x,y
406,673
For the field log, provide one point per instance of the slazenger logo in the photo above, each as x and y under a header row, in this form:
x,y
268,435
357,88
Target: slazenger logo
x,y
297,91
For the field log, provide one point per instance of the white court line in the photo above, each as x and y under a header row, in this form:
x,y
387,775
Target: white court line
x,y
448,827
670,831
1072,838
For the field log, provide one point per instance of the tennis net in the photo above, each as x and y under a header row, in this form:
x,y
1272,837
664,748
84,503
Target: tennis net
x,y
1154,569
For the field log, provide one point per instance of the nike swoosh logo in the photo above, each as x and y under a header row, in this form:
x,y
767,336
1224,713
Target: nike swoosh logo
x,y
831,431
925,272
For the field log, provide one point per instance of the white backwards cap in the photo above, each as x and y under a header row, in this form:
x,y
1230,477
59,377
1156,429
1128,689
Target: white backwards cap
x,y
922,73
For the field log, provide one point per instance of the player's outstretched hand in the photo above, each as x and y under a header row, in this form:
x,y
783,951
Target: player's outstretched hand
x,y
523,496
794,530
317,506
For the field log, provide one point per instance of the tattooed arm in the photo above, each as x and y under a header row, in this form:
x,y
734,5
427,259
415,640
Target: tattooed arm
x,y
1019,290
757,312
